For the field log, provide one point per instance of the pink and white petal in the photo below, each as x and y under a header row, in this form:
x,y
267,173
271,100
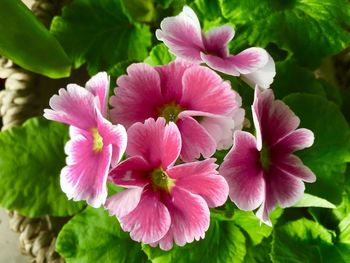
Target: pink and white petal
x,y
149,221
134,171
98,85
85,176
286,189
74,106
189,218
196,141
292,165
295,141
217,39
243,172
112,134
266,208
182,34
273,118
137,96
204,90
123,203
157,142
221,64
202,179
263,77
171,79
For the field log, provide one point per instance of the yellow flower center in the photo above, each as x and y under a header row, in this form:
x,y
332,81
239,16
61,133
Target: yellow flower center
x,y
160,180
97,144
170,111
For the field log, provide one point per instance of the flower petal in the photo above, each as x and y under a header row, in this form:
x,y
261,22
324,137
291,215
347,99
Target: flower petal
x,y
263,77
133,171
182,34
74,106
202,179
242,170
189,218
137,96
273,119
204,90
85,176
196,140
217,39
98,85
123,203
171,79
295,141
157,142
149,221
292,165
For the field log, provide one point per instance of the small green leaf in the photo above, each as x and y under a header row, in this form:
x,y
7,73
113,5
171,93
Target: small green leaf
x,y
100,34
159,55
26,41
328,156
31,159
224,242
94,236
139,10
313,201
309,29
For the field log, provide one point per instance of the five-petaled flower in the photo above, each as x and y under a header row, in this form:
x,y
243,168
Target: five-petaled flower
x,y
95,143
263,171
203,106
163,202
185,39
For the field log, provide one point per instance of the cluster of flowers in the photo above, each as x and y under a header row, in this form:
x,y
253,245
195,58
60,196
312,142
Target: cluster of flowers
x,y
170,120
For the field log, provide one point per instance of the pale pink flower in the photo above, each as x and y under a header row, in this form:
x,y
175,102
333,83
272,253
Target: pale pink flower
x,y
95,143
185,39
163,202
263,171
203,106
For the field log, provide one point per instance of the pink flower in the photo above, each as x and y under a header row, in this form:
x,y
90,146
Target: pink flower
x,y
163,203
185,39
263,171
95,143
203,106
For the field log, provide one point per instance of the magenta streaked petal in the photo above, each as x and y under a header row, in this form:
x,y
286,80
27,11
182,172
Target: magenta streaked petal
x,y
74,106
292,165
242,170
217,39
134,171
263,77
204,90
121,204
221,64
137,96
171,79
295,141
202,179
273,118
182,34
98,85
189,218
156,142
149,221
85,176
196,141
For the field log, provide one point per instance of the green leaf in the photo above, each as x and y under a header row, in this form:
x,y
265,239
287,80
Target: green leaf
x,y
159,55
303,241
309,29
26,41
139,10
100,34
328,156
31,159
224,242
313,201
94,236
